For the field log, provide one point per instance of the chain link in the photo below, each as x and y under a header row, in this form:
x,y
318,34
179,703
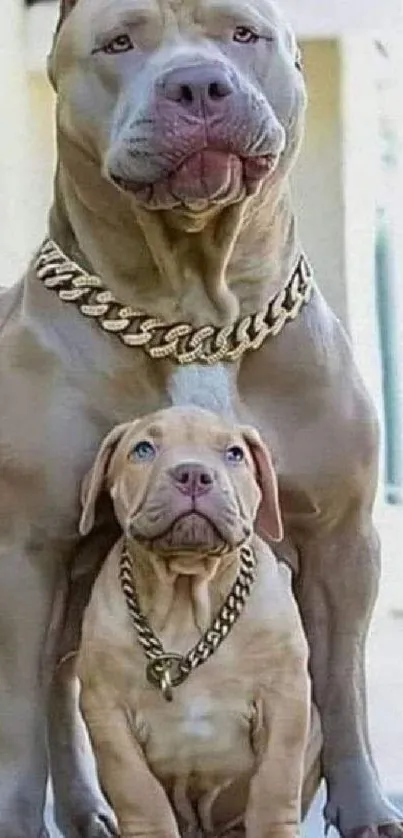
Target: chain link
x,y
181,342
166,670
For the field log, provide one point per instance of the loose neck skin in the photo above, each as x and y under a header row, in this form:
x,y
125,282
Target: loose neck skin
x,y
178,594
161,262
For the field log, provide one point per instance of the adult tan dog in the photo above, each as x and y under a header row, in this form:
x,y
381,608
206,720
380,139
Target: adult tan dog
x,y
226,756
177,125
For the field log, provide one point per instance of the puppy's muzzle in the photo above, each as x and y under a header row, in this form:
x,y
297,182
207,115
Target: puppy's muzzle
x,y
190,507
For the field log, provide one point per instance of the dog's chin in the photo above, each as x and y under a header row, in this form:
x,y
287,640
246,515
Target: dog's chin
x,y
203,183
190,535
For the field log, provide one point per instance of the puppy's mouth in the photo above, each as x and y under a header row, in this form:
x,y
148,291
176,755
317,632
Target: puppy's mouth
x,y
176,523
190,532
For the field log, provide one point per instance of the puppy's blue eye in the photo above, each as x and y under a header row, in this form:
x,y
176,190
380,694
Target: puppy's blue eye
x,y
234,454
143,450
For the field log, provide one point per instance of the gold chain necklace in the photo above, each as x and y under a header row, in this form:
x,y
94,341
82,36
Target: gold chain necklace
x,y
179,342
166,670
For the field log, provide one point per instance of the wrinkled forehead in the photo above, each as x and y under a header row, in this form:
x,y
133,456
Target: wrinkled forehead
x,y
175,428
106,13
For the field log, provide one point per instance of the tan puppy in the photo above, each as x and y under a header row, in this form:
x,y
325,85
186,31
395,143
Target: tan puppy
x,y
226,755
178,124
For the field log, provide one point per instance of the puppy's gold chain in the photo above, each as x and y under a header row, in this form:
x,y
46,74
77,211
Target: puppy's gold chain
x,y
180,342
168,670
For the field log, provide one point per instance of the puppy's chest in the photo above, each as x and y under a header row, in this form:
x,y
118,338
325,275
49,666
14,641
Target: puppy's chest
x,y
207,734
201,746
204,735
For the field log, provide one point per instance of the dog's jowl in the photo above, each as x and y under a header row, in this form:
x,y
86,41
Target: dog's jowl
x,y
173,244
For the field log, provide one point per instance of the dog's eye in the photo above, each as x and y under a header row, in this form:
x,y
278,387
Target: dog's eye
x,y
122,43
234,454
244,35
143,450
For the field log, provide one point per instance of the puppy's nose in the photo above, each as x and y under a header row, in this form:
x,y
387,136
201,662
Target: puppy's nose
x,y
192,478
199,88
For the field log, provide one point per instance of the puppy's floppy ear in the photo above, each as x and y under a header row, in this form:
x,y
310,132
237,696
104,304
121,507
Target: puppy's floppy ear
x,y
93,482
268,522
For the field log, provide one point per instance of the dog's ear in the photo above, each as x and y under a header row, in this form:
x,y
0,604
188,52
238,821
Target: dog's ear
x,y
298,59
294,49
268,522
94,481
65,7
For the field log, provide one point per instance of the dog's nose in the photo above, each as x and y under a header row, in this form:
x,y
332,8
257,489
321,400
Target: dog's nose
x,y
199,88
192,478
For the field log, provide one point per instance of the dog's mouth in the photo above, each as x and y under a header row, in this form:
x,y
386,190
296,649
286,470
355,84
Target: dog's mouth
x,y
207,176
190,532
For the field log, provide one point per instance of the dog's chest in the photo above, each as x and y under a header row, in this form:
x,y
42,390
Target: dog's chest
x,y
200,748
204,732
205,745
202,745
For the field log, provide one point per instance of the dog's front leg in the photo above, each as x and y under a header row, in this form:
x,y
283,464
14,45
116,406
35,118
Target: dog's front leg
x,y
336,593
283,710
79,807
139,801
32,596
